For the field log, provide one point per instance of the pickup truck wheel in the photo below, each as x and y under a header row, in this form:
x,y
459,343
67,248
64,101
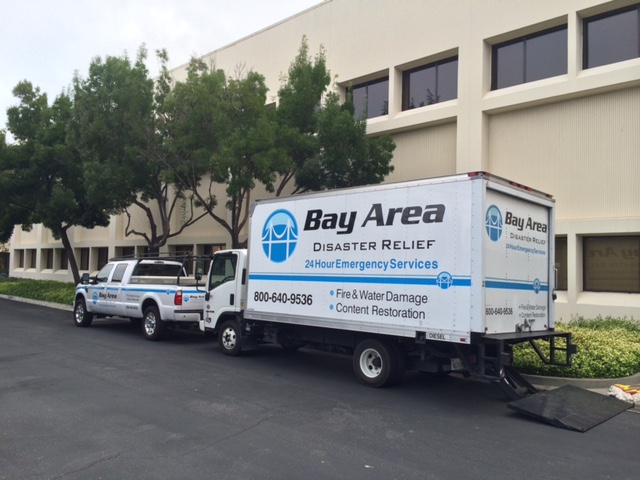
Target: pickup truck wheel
x,y
376,363
153,328
229,338
81,317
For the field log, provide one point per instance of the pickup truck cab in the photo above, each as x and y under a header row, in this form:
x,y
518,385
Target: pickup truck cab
x,y
153,292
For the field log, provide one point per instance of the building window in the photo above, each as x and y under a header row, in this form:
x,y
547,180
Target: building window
x,y
429,84
126,252
32,255
611,37
64,260
529,58
84,259
561,263
20,254
48,258
612,264
103,257
371,99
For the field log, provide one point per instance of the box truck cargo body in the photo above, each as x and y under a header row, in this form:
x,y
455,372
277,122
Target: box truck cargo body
x,y
440,275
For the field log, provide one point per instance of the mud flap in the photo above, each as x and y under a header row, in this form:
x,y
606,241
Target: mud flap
x,y
570,407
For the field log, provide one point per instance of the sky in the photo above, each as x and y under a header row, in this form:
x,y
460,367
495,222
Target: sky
x,y
47,41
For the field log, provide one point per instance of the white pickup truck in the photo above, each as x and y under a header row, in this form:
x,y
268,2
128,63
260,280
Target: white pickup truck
x,y
154,292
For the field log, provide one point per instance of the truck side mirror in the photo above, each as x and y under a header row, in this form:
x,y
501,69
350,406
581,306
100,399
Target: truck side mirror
x,y
85,279
199,269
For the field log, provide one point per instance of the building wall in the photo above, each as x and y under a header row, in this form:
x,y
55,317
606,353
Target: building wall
x,y
574,135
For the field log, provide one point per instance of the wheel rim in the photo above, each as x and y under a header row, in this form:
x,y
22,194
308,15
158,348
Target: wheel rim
x,y
150,323
229,338
370,363
79,313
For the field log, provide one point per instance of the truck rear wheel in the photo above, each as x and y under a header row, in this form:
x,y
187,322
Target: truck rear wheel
x,y
153,328
376,363
81,317
229,338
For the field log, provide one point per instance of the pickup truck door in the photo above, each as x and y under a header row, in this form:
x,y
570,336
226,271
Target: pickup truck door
x,y
97,291
222,285
115,287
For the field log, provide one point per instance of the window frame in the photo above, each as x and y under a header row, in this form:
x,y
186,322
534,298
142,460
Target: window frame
x,y
523,39
585,270
601,16
406,83
366,85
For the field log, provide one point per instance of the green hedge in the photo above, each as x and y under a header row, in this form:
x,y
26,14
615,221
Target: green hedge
x,y
607,348
45,290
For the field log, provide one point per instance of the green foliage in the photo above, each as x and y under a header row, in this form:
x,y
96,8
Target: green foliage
x,y
607,348
324,146
44,290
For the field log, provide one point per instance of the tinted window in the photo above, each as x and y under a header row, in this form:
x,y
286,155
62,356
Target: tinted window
x,y
529,58
118,275
612,264
371,99
433,83
103,275
612,37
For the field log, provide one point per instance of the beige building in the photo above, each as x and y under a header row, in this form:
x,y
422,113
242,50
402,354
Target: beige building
x,y
545,93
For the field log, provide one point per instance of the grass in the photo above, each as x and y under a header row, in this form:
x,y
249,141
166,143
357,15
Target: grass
x,y
607,347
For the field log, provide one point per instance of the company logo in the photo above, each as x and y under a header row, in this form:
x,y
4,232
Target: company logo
x,y
444,280
493,223
95,297
537,286
279,236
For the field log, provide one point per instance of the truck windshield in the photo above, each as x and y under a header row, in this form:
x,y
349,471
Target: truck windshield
x,y
223,269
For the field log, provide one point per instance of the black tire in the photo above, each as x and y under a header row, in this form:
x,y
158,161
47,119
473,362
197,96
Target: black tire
x,y
153,328
375,363
229,338
81,317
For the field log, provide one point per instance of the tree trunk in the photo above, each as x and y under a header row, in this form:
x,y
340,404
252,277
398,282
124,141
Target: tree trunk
x,y
70,254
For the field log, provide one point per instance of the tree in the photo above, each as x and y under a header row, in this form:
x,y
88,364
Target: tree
x,y
299,100
223,129
346,156
119,130
40,175
326,147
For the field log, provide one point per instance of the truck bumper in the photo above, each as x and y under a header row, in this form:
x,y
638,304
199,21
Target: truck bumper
x,y
187,315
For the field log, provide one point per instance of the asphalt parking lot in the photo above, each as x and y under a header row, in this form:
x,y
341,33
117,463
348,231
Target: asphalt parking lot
x,y
102,402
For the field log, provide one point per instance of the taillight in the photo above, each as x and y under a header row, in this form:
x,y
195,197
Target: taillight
x,y
177,298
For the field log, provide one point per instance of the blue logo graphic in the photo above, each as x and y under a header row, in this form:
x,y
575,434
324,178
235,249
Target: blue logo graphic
x,y
279,236
444,280
493,222
95,297
536,286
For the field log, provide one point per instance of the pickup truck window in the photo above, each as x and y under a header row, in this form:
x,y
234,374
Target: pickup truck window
x,y
103,275
157,270
223,269
118,274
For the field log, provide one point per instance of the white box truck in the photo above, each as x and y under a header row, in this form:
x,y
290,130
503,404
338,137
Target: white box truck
x,y
438,275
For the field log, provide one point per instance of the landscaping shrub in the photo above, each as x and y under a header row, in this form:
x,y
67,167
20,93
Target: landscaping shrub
x,y
607,348
45,290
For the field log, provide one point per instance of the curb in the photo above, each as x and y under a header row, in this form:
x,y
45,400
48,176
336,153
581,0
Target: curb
x,y
59,306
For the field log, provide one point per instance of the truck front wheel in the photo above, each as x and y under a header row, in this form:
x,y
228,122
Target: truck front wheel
x,y
375,363
229,338
153,328
81,317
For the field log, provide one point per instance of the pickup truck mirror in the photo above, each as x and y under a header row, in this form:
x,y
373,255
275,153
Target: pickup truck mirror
x,y
199,269
85,279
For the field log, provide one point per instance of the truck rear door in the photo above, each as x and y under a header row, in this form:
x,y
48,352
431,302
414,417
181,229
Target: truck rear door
x,y
518,259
